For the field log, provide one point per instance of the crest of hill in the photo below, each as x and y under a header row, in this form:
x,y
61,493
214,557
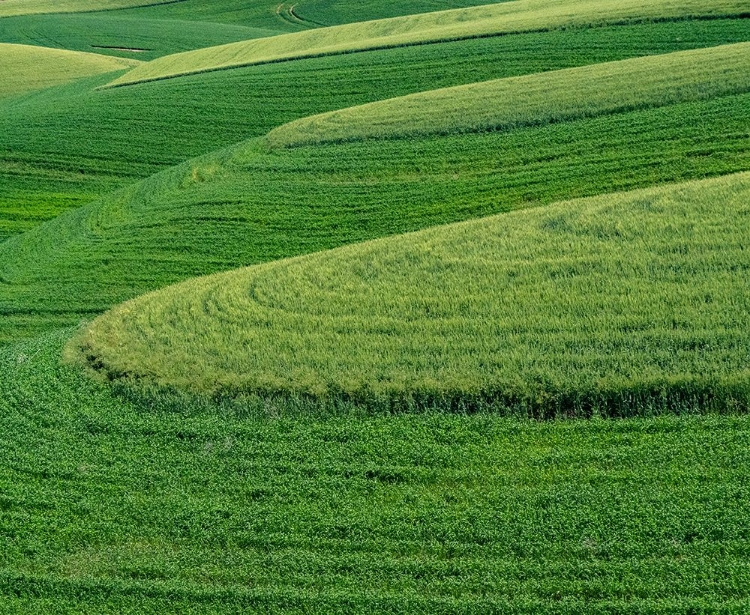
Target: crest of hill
x,y
610,304
504,104
10,8
249,204
26,68
485,20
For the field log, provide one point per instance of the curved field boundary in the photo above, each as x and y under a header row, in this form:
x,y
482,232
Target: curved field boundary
x,y
287,12
486,20
247,204
534,99
616,304
11,8
25,68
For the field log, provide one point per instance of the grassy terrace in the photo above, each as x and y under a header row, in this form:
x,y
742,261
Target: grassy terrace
x,y
487,20
63,148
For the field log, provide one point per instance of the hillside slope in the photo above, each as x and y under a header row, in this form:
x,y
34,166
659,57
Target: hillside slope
x,y
112,33
63,148
616,304
25,7
505,104
26,68
487,20
115,505
250,443
247,204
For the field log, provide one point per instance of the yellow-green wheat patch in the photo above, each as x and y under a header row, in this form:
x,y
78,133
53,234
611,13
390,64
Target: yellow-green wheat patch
x,y
25,68
614,302
534,99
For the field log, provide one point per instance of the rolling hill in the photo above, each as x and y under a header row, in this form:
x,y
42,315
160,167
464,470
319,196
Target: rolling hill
x,y
593,306
26,68
374,307
545,98
164,505
65,147
112,33
249,204
25,7
486,20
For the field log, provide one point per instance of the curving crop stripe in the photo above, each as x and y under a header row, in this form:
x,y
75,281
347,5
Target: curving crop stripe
x,y
456,24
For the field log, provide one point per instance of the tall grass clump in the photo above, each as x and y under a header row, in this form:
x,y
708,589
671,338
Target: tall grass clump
x,y
616,305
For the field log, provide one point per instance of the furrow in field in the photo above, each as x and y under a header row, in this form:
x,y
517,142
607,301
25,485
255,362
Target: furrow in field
x,y
486,20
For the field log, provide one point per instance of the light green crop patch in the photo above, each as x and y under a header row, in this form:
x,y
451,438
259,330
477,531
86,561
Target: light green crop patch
x,y
10,8
486,20
619,301
534,99
25,68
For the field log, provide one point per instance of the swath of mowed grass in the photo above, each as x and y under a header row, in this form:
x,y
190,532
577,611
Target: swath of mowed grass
x,y
534,99
618,304
487,20
248,205
26,68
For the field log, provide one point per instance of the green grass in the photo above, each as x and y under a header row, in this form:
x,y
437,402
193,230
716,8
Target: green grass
x,y
609,305
488,20
556,96
249,205
303,14
114,34
111,505
26,68
329,13
63,148
10,8
115,499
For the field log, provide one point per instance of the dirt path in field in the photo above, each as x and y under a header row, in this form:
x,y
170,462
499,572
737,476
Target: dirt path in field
x,y
287,12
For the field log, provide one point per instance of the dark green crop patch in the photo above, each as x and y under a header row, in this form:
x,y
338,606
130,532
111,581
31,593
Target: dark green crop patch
x,y
110,505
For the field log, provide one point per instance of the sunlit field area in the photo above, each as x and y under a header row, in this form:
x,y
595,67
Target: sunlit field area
x,y
386,307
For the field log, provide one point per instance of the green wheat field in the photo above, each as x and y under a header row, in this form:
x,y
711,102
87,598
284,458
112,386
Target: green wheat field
x,y
377,307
